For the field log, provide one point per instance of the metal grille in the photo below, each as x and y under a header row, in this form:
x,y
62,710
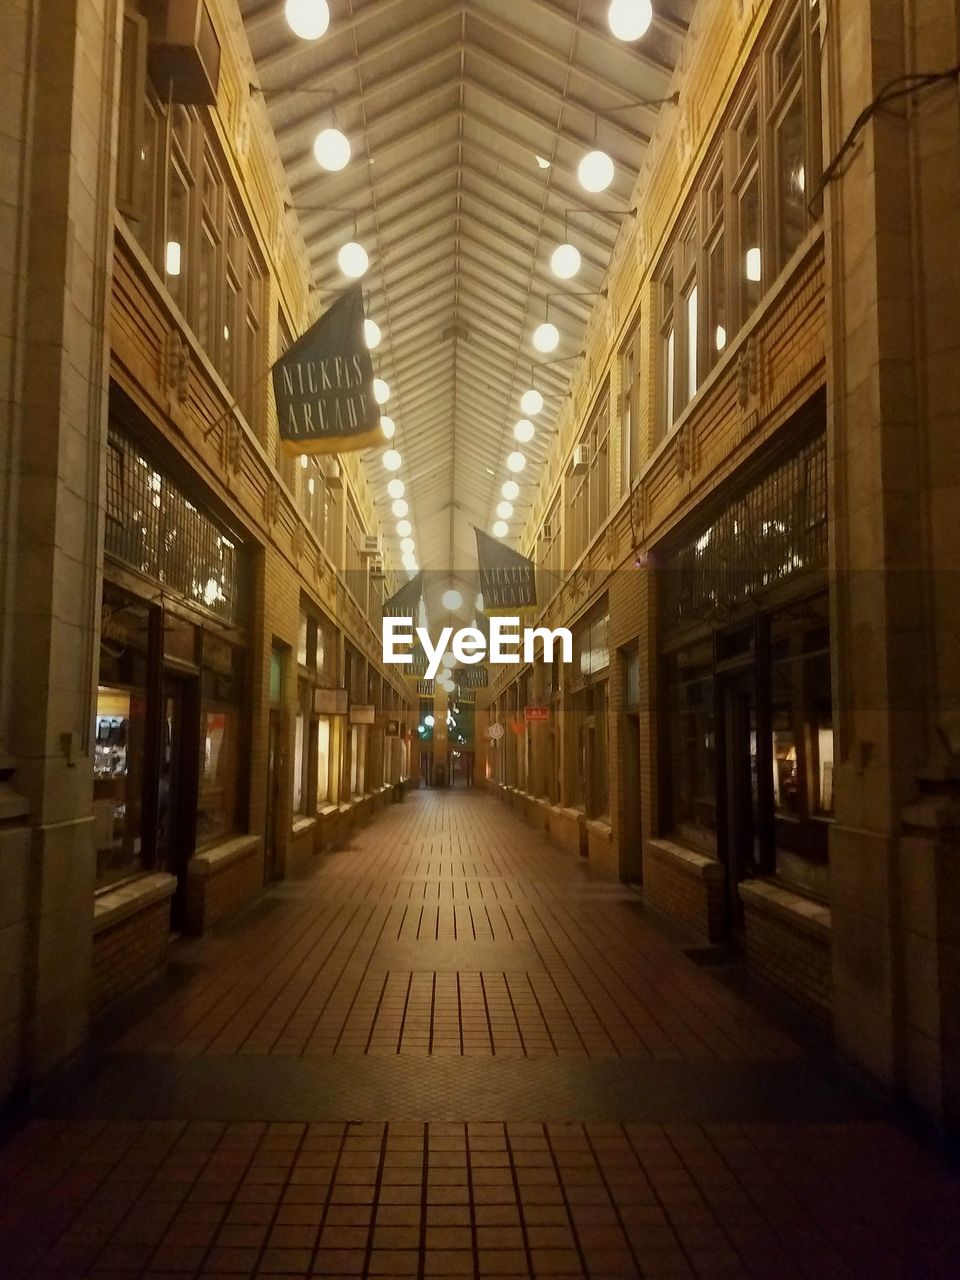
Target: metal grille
x,y
152,527
774,530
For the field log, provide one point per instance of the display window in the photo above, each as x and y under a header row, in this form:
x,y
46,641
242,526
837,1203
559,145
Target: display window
x,y
119,729
220,734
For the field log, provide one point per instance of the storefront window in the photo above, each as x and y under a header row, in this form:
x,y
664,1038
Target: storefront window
x,y
691,747
220,733
323,760
358,759
118,781
300,750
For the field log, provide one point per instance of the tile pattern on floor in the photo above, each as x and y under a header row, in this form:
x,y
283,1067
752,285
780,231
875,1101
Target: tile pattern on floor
x,y
454,1051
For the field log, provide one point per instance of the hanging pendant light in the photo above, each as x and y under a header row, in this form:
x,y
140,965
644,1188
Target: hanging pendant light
x,y
396,488
565,261
595,171
504,510
501,529
388,426
352,259
407,546
510,489
400,508
371,333
404,528
630,19
516,462
307,19
331,149
524,431
531,402
381,391
546,337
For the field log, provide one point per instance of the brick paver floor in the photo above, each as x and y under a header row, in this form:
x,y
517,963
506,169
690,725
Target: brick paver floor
x,y
452,1050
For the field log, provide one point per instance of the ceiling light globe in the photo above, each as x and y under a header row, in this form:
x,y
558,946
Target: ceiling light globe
x,y
629,19
595,171
478,603
516,462
392,460
410,562
304,461
407,546
371,333
546,337
404,528
331,150
524,431
565,261
531,402
429,721
400,508
451,599
396,488
500,529
381,391
352,259
449,661
388,426
510,489
504,510
307,19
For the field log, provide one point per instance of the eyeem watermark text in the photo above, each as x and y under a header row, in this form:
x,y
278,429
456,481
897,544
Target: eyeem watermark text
x,y
509,642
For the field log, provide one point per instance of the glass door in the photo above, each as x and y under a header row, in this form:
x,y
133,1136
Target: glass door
x,y
177,784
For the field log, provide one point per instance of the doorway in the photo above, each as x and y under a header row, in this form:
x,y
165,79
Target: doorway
x,y
177,784
739,791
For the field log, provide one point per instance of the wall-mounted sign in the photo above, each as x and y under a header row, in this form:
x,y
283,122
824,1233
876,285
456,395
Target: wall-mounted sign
x,y
393,728
330,702
363,713
531,714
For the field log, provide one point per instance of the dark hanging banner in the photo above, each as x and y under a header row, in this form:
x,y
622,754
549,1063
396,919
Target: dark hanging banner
x,y
508,580
324,384
405,603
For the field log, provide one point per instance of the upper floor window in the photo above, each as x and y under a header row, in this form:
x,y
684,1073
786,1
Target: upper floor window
x,y
589,482
630,407
749,212
189,220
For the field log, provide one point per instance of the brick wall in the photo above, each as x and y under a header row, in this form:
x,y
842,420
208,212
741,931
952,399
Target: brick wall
x,y
220,892
128,953
686,886
788,943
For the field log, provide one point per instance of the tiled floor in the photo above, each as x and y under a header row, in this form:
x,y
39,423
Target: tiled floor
x,y
454,1051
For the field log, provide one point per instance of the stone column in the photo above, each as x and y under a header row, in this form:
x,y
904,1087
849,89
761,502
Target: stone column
x,y
891,219
57,125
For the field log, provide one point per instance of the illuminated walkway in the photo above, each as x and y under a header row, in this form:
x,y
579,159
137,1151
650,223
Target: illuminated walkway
x,y
452,1050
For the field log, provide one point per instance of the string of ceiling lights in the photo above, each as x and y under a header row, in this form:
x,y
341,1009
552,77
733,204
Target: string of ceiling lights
x,y
628,20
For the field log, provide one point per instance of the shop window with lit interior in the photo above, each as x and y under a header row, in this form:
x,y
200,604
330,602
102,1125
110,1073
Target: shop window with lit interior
x,y
747,729
120,738
221,731
588,716
314,772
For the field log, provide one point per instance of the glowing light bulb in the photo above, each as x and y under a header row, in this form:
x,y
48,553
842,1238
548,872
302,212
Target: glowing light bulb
x,y
392,460
753,264
531,402
171,258
546,337
500,529
565,261
388,426
396,488
429,721
381,391
400,508
407,546
630,19
331,150
410,562
307,19
595,171
720,337
504,510
524,430
516,462
404,528
510,489
352,259
371,333
304,461
451,599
